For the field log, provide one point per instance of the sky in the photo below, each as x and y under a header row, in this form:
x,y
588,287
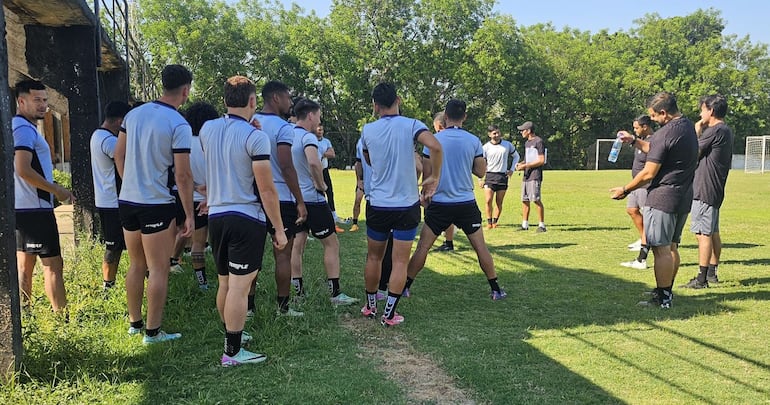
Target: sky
x,y
743,17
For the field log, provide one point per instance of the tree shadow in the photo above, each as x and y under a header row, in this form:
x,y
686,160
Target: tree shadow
x,y
755,281
518,246
737,245
740,262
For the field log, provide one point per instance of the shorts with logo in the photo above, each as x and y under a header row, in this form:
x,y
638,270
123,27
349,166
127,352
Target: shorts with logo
x,y
530,190
289,216
37,233
637,198
403,222
496,181
663,228
320,221
112,231
237,243
704,218
465,216
149,218
201,221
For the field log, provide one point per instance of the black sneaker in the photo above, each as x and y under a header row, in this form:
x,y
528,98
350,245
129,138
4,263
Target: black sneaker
x,y
658,298
712,280
540,229
695,284
444,248
524,228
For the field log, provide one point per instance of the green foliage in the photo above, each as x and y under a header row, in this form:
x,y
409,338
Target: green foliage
x,y
576,86
63,179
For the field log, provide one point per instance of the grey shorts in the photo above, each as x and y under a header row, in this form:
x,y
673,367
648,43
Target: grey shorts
x,y
637,198
663,228
530,190
704,219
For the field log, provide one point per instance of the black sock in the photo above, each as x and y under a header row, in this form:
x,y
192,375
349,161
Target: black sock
x,y
108,284
371,299
137,324
712,271
702,271
450,243
283,303
489,221
643,252
233,342
152,332
251,305
173,261
493,284
200,275
383,284
298,287
494,220
390,305
334,286
355,221
409,282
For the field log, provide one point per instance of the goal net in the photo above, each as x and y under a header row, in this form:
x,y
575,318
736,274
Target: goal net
x,y
757,154
598,153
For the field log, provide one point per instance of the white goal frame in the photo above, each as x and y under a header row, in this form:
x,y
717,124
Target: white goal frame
x,y
757,158
596,158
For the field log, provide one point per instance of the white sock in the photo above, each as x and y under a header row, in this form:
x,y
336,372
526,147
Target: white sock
x,y
541,225
525,224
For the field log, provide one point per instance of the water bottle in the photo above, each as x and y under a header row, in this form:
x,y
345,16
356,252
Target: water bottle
x,y
613,157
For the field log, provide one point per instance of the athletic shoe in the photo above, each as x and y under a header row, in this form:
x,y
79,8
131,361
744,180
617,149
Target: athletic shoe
x,y
489,226
444,248
494,225
249,314
160,337
406,293
540,229
636,246
369,312
176,269
635,264
712,280
343,299
344,221
353,228
695,284
397,319
246,338
382,295
338,229
242,357
290,312
523,228
204,286
658,299
134,331
498,295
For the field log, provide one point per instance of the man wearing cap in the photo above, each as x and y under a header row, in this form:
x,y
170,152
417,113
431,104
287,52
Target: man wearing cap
x,y
534,159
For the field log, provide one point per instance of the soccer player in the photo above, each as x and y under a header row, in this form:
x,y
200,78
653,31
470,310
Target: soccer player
x,y
715,144
638,198
237,158
439,124
497,152
37,233
672,155
197,115
326,152
454,201
319,216
534,159
394,199
106,186
277,104
363,175
154,138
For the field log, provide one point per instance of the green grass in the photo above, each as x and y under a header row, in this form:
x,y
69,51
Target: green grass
x,y
570,331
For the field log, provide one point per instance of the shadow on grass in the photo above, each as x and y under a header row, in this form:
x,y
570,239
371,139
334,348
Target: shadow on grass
x,y
755,281
521,246
737,245
747,262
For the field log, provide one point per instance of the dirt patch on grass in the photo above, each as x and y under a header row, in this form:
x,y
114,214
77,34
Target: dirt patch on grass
x,y
422,379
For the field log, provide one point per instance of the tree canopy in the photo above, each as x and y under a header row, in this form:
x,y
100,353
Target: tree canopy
x,y
576,86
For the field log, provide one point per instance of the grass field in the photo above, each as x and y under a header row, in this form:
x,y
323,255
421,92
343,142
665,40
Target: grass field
x,y
569,332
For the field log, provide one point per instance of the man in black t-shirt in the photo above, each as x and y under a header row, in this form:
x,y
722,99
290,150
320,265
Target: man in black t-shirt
x,y
672,155
715,144
532,166
637,199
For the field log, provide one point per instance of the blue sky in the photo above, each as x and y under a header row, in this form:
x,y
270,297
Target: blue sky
x,y
743,17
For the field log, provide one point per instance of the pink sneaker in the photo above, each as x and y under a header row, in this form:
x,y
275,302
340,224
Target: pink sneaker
x,y
397,319
369,312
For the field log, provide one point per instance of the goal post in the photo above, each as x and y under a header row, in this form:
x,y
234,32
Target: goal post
x,y
757,158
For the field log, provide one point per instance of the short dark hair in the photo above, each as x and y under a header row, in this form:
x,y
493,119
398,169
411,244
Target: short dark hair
x,y
272,87
238,89
304,106
25,86
175,76
384,94
663,101
455,109
717,103
643,120
493,127
197,115
116,109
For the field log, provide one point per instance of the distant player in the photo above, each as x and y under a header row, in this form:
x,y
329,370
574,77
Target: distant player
x,y
637,199
532,166
497,153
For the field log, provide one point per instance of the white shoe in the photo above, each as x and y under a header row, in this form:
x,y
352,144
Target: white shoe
x,y
635,264
176,269
636,246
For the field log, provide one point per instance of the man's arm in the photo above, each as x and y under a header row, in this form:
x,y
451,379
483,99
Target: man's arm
x,y
429,183
120,153
479,166
22,163
648,173
637,143
316,169
184,183
329,154
268,196
286,163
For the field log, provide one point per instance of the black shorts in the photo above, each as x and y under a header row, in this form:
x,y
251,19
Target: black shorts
x,y
37,233
112,231
496,181
465,216
320,221
237,243
381,222
201,221
289,216
150,218
180,215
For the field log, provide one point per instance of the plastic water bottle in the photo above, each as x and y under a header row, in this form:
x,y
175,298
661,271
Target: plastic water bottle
x,y
615,151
